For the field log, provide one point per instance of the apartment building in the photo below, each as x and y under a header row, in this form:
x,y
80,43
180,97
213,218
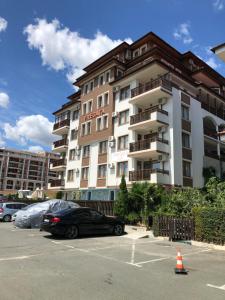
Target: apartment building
x,y
144,110
25,170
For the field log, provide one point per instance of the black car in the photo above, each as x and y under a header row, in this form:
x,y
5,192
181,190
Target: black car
x,y
81,221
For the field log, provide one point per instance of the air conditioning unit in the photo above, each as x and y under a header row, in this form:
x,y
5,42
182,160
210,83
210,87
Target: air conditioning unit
x,y
77,170
114,114
78,148
162,157
162,129
111,138
162,101
111,166
76,128
116,88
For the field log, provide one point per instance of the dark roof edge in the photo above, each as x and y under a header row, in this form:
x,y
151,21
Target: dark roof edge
x,y
214,49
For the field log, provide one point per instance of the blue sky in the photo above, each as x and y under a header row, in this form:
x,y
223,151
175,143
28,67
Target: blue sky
x,y
45,44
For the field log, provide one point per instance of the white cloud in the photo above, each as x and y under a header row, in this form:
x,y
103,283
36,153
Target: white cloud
x,y
2,142
35,149
218,5
4,100
212,63
3,24
62,49
33,128
183,33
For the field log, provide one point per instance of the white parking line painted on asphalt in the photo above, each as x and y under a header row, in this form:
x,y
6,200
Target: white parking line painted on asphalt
x,y
152,260
222,287
18,257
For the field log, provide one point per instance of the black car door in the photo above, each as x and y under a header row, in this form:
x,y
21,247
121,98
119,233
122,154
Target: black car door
x,y
82,218
99,222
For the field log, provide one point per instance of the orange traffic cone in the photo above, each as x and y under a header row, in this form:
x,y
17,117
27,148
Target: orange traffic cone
x,y
179,267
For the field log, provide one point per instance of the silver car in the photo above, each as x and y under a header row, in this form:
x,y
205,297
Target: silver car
x,y
7,209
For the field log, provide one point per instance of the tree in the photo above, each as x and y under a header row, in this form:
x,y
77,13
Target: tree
x,y
121,203
59,195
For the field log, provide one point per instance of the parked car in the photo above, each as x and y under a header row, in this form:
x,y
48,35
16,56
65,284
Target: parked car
x,y
7,209
81,221
32,216
3,198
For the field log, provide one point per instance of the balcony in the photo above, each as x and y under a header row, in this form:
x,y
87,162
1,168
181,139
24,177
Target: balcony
x,y
152,118
58,165
61,127
150,92
149,148
57,184
210,133
60,146
153,175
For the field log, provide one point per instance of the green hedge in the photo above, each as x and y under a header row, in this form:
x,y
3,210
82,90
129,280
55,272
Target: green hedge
x,y
210,225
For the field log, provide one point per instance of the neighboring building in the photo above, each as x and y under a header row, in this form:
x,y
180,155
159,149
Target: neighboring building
x,y
25,170
220,51
144,110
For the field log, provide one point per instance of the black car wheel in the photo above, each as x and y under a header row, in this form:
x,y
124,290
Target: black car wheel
x,y
71,232
118,229
7,218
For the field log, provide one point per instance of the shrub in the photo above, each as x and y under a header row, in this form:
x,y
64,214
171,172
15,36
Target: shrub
x,y
210,225
121,203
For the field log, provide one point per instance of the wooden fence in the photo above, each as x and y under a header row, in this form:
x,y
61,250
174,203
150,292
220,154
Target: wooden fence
x,y
174,228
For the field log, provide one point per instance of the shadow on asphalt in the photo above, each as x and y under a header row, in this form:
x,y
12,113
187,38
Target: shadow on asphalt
x,y
62,238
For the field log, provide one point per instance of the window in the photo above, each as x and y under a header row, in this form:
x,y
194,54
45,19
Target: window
x,y
185,112
75,115
103,147
72,154
84,108
88,125
101,80
73,134
102,171
70,175
98,124
124,117
123,142
86,151
106,99
186,168
102,123
105,122
95,214
83,129
136,53
84,173
91,85
86,89
143,49
125,93
107,77
185,140
100,102
103,100
122,168
89,106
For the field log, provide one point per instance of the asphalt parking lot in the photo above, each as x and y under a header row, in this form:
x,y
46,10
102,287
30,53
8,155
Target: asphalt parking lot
x,y
33,265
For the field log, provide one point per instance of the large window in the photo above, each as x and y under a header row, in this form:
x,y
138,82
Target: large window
x,y
125,93
124,117
84,173
185,140
122,168
86,151
72,154
102,123
75,115
103,147
70,175
186,168
87,107
86,128
185,112
103,100
102,171
73,134
123,142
